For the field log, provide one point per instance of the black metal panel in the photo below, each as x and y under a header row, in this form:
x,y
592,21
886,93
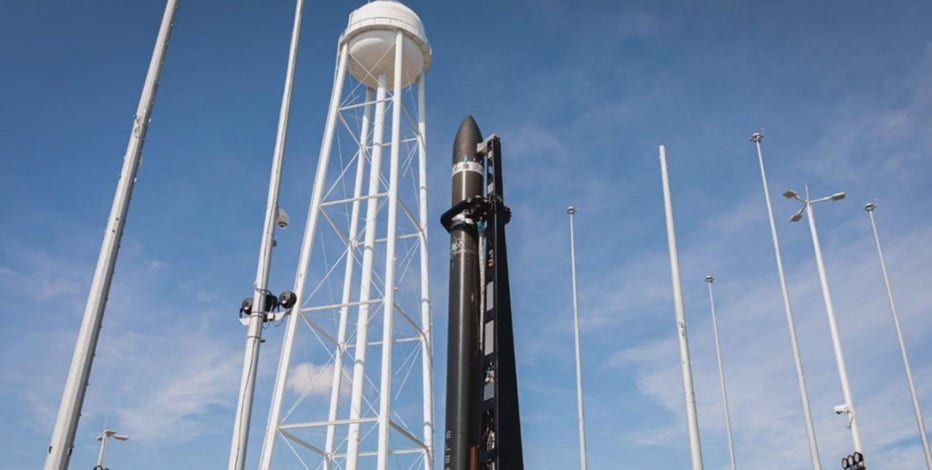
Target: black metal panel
x,y
500,440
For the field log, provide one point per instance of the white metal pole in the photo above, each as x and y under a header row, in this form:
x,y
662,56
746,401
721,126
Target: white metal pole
x,y
365,283
388,306
307,244
583,462
257,317
791,324
836,341
69,412
104,439
692,419
427,351
103,449
721,376
920,421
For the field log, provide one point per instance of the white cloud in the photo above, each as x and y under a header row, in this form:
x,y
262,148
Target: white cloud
x,y
39,278
155,376
166,383
206,296
311,379
887,138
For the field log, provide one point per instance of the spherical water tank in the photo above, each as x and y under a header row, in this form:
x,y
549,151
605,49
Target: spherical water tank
x,y
370,37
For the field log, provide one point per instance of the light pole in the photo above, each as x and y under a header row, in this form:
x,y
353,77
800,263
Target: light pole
x,y
791,324
721,376
848,407
869,207
103,438
583,464
686,365
261,299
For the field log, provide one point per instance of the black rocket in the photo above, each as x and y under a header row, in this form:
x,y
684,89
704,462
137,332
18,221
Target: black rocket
x,y
462,430
483,427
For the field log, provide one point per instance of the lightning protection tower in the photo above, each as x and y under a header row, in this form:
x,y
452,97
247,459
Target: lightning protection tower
x,y
353,387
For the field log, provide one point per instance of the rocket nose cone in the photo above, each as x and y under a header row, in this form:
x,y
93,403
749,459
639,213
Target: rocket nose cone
x,y
467,137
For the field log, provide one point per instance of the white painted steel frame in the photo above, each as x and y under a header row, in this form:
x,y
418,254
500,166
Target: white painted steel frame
x,y
388,306
69,412
368,276
362,321
307,245
427,356
692,417
788,310
347,285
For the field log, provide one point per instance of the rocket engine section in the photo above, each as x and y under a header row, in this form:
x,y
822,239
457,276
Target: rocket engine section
x,y
483,428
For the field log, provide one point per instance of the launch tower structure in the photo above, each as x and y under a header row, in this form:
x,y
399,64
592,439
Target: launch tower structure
x,y
353,387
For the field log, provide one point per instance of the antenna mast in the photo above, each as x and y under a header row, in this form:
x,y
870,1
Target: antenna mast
x,y
69,412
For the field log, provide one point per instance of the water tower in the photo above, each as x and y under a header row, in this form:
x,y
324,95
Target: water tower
x,y
353,387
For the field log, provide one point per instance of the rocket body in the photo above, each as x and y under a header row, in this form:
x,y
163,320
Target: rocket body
x,y
483,423
463,353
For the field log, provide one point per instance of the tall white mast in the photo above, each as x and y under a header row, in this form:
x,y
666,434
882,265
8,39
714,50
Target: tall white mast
x,y
721,377
917,410
360,333
757,137
692,418
257,316
583,461
69,412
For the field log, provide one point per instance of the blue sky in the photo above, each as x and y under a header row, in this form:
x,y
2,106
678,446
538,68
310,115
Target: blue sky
x,y
581,93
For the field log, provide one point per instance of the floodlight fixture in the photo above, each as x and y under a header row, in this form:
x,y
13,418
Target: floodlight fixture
x,y
287,299
111,433
790,194
854,461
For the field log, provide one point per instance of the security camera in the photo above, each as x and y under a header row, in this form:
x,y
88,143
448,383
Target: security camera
x,y
282,218
841,409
